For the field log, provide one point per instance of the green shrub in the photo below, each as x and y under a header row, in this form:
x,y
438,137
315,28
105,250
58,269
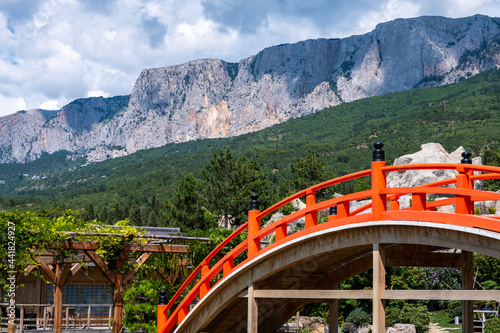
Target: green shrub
x,y
492,210
416,315
492,325
391,315
359,317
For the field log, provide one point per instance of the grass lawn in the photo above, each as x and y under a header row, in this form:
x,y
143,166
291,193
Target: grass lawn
x,y
443,321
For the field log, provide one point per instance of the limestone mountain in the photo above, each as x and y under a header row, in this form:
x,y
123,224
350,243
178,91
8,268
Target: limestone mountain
x,y
212,98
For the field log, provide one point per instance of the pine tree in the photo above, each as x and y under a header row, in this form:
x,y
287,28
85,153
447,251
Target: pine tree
x,y
186,207
228,185
309,171
135,215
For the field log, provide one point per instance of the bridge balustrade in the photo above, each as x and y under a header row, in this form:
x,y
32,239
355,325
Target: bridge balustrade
x,y
384,205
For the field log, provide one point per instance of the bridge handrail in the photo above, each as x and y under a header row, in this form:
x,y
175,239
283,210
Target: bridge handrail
x,y
389,193
313,189
205,262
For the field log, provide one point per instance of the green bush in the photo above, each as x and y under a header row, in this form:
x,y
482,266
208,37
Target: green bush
x,y
391,315
416,315
359,317
492,210
492,325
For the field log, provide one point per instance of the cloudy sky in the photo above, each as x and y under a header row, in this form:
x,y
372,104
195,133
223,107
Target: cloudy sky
x,y
54,51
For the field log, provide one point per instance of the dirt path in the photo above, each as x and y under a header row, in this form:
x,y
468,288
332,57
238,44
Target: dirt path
x,y
434,328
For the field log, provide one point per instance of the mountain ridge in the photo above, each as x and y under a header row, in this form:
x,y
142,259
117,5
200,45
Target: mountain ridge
x,y
211,98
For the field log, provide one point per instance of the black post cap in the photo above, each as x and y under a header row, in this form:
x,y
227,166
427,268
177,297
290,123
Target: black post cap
x,y
333,210
378,152
254,202
466,157
163,298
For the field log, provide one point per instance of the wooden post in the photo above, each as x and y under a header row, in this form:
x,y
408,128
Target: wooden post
x,y
58,303
88,317
333,313
379,201
67,316
253,312
21,320
118,297
378,288
467,284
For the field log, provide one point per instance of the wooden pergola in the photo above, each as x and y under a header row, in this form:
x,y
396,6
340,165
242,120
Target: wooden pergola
x,y
59,272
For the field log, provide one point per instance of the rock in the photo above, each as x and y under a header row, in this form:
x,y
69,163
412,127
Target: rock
x,y
401,328
313,324
349,328
429,153
211,98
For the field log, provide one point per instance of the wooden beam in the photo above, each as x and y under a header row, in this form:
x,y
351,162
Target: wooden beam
x,y
28,269
130,247
75,268
443,295
141,260
46,270
156,248
328,295
312,294
103,267
425,259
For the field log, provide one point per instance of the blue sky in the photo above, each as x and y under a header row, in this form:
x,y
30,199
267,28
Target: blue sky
x,y
54,51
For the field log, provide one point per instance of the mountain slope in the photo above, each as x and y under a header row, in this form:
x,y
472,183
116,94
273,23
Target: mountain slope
x,y
464,114
211,98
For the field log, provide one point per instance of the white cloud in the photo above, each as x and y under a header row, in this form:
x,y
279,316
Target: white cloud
x,y
98,93
387,11
60,50
51,105
11,105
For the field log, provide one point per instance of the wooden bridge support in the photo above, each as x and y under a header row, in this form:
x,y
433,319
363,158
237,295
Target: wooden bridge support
x,y
253,311
467,284
378,288
333,313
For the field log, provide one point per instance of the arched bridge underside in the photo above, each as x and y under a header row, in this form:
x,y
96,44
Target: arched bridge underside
x,y
258,284
308,268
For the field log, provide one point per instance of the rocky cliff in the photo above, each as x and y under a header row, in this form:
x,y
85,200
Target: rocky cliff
x,y
212,98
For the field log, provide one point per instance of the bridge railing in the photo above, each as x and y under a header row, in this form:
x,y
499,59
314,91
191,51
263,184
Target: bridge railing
x,y
384,205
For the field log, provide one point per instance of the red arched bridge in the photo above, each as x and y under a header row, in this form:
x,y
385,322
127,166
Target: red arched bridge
x,y
257,287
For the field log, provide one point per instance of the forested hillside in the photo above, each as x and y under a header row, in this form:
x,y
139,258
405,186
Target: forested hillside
x,y
463,114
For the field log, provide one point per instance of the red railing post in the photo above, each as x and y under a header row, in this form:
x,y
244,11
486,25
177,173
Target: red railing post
x,y
311,219
379,201
394,205
161,317
205,286
253,226
227,267
464,204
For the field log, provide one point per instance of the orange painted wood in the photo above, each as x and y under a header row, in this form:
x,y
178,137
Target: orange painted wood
x,y
311,218
281,232
379,201
227,266
205,286
253,228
